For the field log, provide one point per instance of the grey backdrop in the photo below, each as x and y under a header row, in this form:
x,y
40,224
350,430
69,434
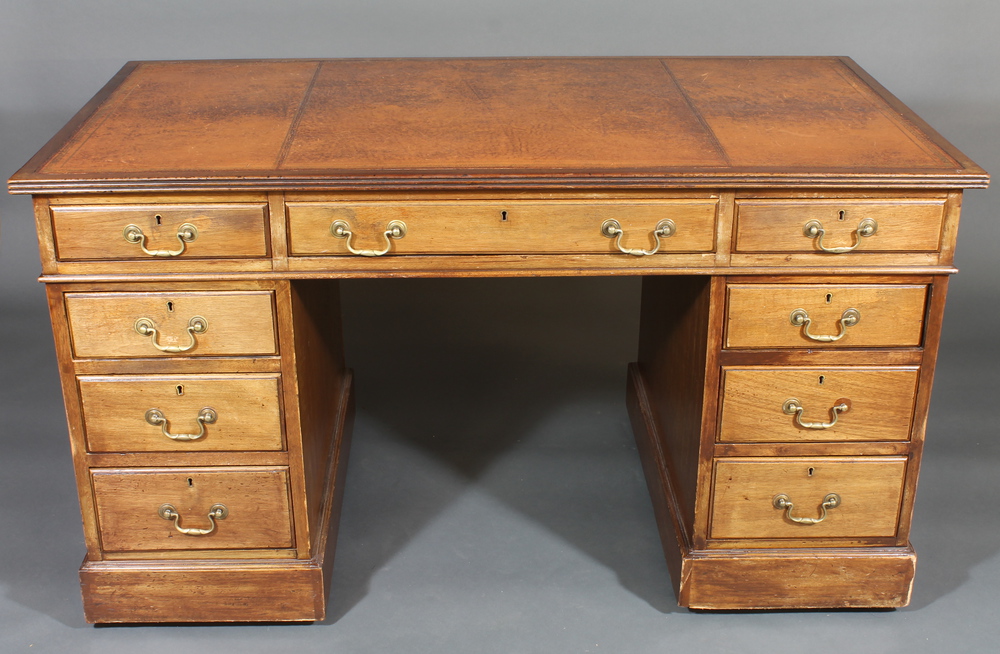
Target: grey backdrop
x,y
494,504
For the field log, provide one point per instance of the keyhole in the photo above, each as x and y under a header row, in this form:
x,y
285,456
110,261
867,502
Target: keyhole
x,y
822,379
829,298
191,481
170,307
503,215
159,218
180,389
811,471
843,215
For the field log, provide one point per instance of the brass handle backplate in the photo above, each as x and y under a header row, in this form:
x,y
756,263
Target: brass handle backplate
x,y
814,229
800,318
394,230
783,502
146,327
185,234
611,228
156,418
215,512
793,406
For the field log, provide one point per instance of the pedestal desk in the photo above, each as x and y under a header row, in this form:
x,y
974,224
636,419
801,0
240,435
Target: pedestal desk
x,y
794,225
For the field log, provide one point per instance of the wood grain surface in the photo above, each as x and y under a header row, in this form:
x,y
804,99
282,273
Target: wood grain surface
x,y
776,225
102,324
503,226
128,500
880,402
759,315
96,232
804,579
247,406
870,489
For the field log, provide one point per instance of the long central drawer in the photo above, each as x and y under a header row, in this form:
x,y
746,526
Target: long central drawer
x,y
501,227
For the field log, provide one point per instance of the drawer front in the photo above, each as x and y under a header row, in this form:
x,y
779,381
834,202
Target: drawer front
x,y
745,491
496,227
166,324
772,404
182,413
131,518
825,315
912,225
98,232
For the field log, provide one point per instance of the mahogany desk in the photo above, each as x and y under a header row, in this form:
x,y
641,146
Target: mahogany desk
x,y
794,225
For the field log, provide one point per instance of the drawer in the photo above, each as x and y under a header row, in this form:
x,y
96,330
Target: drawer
x,y
181,413
897,225
182,231
825,315
171,324
745,492
498,227
131,516
768,404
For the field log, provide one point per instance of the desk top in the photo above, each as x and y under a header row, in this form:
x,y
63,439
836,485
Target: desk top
x,y
494,123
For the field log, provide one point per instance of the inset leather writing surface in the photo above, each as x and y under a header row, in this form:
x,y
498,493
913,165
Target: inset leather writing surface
x,y
813,113
191,115
499,113
442,123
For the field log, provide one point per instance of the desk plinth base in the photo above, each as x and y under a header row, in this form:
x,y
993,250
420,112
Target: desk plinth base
x,y
203,591
227,590
801,578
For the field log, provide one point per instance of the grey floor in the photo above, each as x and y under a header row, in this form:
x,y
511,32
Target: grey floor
x,y
495,501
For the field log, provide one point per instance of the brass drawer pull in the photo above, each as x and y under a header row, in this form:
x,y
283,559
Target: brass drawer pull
x,y
800,318
782,501
793,406
395,229
611,228
185,234
215,512
207,415
814,229
146,327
